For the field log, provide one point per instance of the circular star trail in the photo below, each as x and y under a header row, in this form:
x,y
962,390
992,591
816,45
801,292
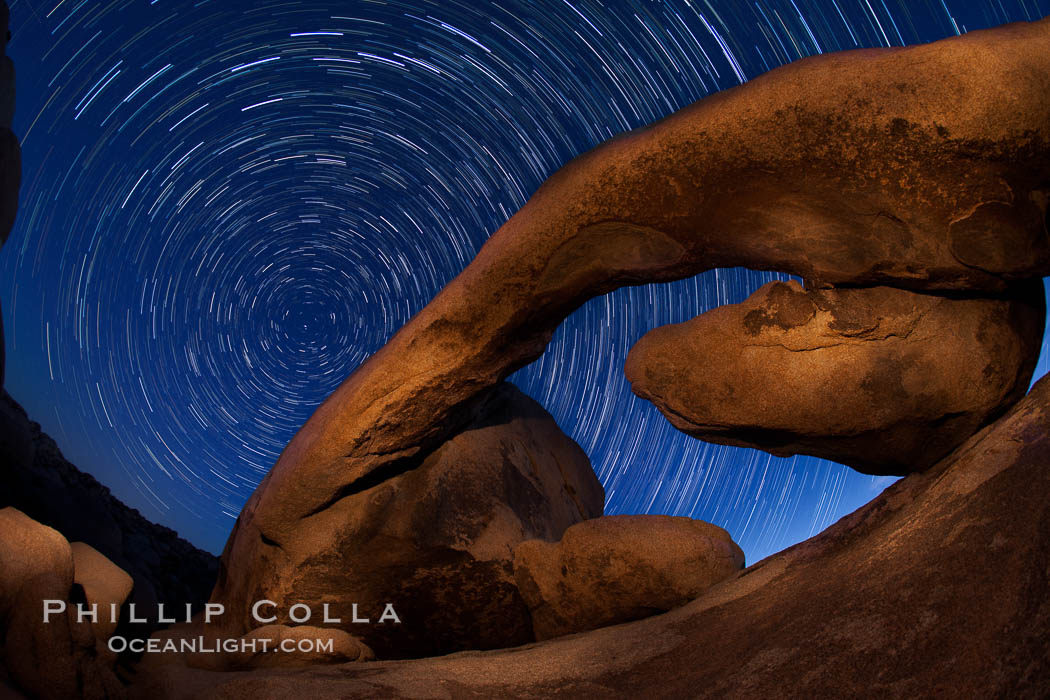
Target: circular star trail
x,y
227,206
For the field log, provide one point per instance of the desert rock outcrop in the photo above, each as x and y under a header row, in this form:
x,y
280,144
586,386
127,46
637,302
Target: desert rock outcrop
x,y
885,380
433,538
937,588
857,168
619,568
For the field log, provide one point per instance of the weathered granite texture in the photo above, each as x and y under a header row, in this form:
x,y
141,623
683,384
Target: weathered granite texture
x,y
619,568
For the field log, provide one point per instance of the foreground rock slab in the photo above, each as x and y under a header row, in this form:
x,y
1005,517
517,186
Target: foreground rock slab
x,y
884,380
434,539
619,568
266,647
937,588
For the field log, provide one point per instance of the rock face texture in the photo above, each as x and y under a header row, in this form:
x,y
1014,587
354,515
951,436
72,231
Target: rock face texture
x,y
857,168
434,538
60,657
36,479
619,568
885,380
29,549
937,588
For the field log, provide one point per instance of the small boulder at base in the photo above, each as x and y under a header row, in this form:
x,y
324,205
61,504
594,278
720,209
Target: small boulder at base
x,y
619,568
47,651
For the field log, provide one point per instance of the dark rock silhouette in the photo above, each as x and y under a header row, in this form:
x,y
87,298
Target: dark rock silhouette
x,y
36,479
434,537
885,380
937,588
619,568
858,168
10,153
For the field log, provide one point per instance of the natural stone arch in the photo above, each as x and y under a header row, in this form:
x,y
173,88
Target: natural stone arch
x,y
852,169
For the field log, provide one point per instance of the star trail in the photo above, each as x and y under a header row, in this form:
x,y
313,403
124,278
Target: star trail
x,y
227,206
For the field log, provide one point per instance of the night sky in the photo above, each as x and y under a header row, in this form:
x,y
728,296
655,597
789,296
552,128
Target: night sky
x,y
227,206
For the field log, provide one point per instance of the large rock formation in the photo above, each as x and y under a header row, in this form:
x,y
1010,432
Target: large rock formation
x,y
885,380
433,537
620,568
937,588
857,168
852,170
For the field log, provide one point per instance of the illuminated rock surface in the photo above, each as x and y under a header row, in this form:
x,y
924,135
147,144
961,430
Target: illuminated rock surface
x,y
620,568
885,380
62,656
433,536
937,587
857,168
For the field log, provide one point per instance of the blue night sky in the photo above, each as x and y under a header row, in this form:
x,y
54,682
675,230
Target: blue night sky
x,y
227,206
